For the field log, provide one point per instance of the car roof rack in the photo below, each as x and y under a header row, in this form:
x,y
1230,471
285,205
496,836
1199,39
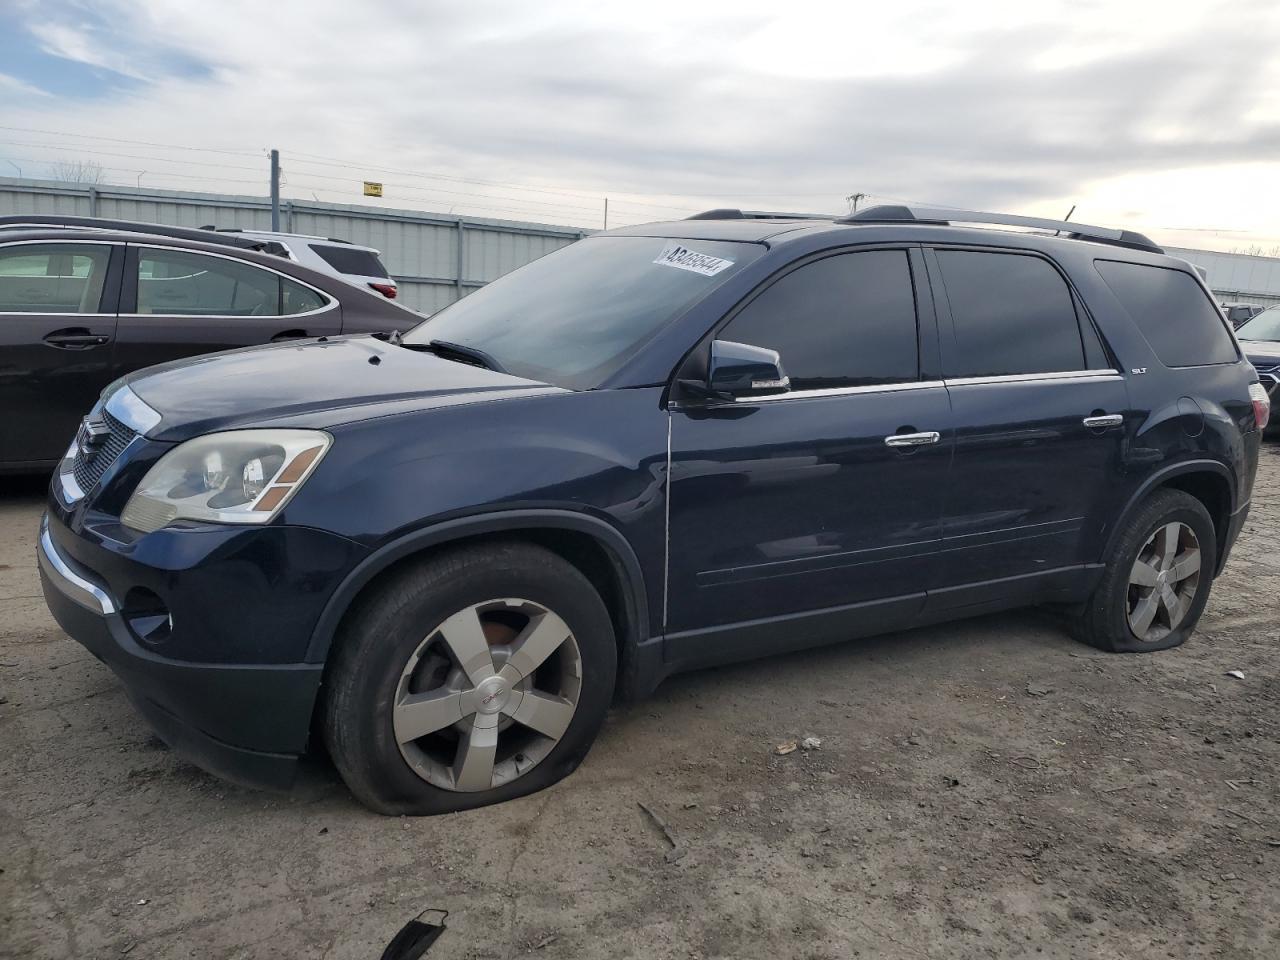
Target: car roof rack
x,y
47,221
301,236
731,213
898,213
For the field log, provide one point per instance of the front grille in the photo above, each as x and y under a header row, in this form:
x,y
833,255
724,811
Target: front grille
x,y
92,459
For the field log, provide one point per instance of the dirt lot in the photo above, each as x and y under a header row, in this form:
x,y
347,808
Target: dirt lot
x,y
983,789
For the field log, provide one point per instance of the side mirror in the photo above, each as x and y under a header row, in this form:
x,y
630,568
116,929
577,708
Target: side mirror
x,y
742,370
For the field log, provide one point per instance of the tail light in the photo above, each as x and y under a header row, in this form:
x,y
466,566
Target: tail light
x,y
388,290
1261,405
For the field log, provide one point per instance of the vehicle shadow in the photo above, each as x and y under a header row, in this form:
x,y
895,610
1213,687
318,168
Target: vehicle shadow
x,y
21,488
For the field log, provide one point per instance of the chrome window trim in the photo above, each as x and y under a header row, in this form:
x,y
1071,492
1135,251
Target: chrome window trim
x,y
131,410
55,313
842,391
70,584
1057,376
329,299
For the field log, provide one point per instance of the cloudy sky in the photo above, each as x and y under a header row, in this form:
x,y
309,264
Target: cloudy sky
x,y
1158,116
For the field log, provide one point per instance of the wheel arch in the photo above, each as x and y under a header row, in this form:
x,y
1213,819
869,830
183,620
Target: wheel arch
x,y
578,538
1209,481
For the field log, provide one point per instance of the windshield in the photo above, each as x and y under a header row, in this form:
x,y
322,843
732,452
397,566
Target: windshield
x,y
1265,326
577,315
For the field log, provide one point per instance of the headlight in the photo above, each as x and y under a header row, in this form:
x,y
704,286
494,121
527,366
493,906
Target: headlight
x,y
241,476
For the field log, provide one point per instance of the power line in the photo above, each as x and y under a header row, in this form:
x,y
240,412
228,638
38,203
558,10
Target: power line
x,y
93,151
558,205
140,143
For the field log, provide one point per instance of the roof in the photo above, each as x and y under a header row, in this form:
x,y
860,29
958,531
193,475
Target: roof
x,y
888,224
278,234
13,222
210,245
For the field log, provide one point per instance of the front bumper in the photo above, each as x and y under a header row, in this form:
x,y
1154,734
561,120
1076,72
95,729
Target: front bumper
x,y
248,723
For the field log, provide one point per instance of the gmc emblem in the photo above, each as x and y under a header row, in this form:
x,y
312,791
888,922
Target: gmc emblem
x,y
92,434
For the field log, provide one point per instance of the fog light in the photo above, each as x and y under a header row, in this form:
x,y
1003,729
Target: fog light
x,y
147,617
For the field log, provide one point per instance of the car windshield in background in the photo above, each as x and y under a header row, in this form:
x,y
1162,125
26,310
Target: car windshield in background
x,y
357,263
1265,326
577,315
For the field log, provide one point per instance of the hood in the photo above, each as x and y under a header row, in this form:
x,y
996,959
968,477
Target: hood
x,y
1264,352
311,383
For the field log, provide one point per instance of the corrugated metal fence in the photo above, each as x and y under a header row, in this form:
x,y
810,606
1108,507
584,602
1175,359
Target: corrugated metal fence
x,y
435,257
1237,276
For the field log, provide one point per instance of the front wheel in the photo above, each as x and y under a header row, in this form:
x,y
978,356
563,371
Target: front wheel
x,y
1157,580
477,676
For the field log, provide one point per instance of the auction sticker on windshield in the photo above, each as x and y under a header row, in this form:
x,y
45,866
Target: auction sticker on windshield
x,y
682,258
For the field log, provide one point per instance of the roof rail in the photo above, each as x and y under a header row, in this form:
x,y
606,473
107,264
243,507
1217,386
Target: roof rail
x,y
51,221
942,215
731,213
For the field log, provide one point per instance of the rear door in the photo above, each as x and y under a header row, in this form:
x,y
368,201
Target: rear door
x,y
1039,411
179,303
57,325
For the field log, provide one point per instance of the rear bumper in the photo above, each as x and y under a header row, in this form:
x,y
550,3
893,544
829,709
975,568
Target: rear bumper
x,y
248,723
1234,525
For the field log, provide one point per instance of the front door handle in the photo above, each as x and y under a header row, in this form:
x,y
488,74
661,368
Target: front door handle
x,y
1105,420
74,338
289,335
912,439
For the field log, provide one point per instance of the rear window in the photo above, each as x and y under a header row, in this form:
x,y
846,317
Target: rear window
x,y
1013,314
359,263
1172,311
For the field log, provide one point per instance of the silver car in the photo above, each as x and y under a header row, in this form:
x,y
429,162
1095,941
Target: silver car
x,y
350,261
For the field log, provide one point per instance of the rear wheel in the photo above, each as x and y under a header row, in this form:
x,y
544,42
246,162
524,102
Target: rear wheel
x,y
477,676
1157,581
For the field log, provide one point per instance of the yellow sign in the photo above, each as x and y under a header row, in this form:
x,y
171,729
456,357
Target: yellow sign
x,y
372,189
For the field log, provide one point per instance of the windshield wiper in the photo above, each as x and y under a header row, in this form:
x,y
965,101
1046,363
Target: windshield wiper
x,y
460,353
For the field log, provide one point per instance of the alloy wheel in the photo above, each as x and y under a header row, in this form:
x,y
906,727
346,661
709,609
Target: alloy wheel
x,y
1163,582
487,695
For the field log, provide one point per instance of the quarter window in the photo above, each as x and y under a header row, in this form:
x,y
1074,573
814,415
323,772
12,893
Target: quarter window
x,y
177,283
358,263
847,320
52,278
1172,311
1013,314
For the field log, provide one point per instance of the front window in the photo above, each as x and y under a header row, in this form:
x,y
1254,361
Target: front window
x,y
52,277
1265,326
575,316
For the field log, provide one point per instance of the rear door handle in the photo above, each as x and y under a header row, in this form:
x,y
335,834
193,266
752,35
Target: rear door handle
x,y
289,335
1106,420
75,338
912,439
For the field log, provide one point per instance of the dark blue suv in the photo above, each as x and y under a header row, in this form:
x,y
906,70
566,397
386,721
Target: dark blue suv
x,y
660,448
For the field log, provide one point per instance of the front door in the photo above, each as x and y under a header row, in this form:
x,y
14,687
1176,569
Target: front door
x,y
57,325
1039,409
181,303
803,517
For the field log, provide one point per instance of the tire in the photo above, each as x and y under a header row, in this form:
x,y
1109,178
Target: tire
x,y
1105,619
392,657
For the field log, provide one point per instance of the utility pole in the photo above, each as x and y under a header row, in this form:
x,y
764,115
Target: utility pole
x,y
606,213
275,191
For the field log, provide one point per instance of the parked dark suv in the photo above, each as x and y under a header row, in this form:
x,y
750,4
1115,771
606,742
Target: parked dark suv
x,y
660,448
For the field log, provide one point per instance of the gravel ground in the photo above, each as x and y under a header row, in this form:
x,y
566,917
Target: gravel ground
x,y
983,789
